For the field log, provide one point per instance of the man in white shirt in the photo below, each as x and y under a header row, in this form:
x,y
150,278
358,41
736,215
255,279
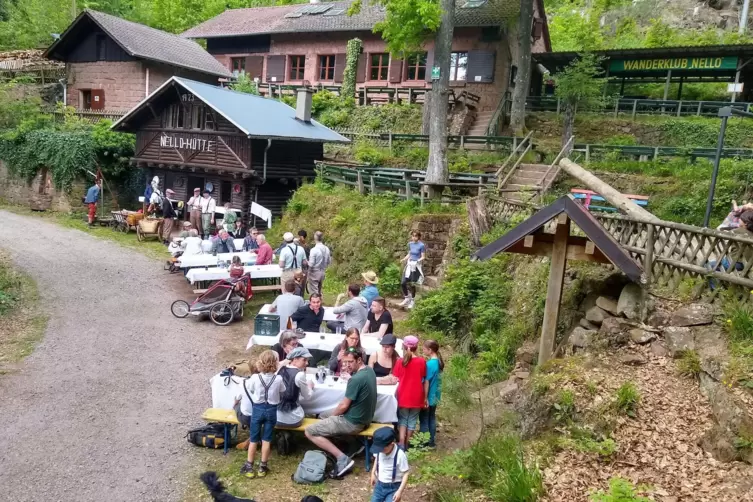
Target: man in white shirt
x,y
208,205
320,258
194,209
292,257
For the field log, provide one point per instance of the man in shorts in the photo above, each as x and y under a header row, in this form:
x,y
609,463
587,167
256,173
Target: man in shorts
x,y
354,413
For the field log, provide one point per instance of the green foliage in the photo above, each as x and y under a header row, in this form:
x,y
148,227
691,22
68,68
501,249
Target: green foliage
x,y
368,153
11,288
496,464
352,51
627,399
689,364
740,323
564,407
407,23
586,440
245,84
581,83
620,490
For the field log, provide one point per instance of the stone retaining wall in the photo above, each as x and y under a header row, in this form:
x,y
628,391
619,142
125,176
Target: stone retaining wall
x,y
21,192
436,231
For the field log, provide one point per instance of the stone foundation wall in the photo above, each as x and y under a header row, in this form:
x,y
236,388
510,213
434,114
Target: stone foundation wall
x,y
436,231
461,120
21,192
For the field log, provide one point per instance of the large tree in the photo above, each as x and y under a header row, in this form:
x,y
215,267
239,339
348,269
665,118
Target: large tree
x,y
523,62
408,24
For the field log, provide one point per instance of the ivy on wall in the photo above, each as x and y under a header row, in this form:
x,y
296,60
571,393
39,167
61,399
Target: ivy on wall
x,y
352,52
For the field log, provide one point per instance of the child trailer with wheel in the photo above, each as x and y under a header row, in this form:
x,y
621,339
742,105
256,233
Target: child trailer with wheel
x,y
223,302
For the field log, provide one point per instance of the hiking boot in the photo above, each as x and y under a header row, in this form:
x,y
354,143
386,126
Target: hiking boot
x,y
248,470
243,445
405,301
263,471
344,465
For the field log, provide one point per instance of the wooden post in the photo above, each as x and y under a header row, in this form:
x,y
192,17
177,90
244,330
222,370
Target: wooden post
x,y
588,153
698,111
648,265
679,108
462,142
360,182
635,108
656,153
616,107
406,178
554,288
389,139
559,105
373,184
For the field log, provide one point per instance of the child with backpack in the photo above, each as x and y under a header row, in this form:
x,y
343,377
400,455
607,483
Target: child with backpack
x,y
389,476
262,391
412,389
434,369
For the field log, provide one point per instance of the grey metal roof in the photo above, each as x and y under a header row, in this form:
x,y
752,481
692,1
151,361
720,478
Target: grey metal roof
x,y
590,226
255,116
278,19
148,43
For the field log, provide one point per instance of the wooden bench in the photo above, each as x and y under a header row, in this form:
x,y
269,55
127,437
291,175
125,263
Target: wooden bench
x,y
588,195
229,420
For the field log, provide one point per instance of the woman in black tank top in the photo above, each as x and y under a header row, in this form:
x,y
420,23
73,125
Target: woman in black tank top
x,y
383,361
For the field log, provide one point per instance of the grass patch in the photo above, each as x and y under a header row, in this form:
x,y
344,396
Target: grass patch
x,y
564,407
739,327
586,440
22,323
620,490
627,399
689,364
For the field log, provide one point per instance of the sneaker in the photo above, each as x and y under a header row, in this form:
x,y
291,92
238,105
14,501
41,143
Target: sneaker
x,y
344,465
263,471
411,303
405,302
248,470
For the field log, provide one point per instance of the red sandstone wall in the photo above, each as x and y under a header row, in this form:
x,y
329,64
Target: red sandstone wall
x,y
123,82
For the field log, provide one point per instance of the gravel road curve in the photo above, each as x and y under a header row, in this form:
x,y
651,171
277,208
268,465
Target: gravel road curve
x,y
99,411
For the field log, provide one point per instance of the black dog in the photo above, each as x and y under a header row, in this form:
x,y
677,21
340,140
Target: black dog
x,y
217,490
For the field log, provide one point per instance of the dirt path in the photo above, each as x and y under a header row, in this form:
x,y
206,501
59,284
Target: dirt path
x,y
102,405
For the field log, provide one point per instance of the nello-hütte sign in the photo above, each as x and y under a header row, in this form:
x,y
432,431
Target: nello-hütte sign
x,y
666,64
187,143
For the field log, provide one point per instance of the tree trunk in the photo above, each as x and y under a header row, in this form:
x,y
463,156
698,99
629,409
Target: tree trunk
x,y
523,62
436,170
426,115
568,126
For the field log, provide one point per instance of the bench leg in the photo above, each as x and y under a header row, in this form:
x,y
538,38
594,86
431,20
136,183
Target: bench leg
x,y
368,454
227,438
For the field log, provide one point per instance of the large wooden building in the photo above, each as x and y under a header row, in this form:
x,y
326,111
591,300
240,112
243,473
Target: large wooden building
x,y
244,148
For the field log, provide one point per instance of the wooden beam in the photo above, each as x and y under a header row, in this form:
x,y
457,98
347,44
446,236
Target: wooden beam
x,y
554,290
528,241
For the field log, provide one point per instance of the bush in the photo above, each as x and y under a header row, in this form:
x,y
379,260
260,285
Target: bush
x,y
689,364
620,490
740,323
564,407
496,464
368,153
627,399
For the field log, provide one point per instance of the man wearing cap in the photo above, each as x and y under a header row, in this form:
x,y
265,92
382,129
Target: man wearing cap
x,y
353,414
194,208
389,476
208,206
297,388
369,291
168,213
292,257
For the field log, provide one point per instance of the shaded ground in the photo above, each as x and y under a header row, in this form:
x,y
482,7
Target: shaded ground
x,y
103,403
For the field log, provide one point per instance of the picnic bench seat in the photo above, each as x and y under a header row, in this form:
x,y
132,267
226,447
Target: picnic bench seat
x,y
589,195
229,420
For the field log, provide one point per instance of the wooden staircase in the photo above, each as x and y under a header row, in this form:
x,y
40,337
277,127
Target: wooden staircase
x,y
527,182
481,124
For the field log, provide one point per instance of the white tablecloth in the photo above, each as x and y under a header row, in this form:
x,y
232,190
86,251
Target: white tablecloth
x,y
324,399
324,341
216,273
328,314
238,244
209,260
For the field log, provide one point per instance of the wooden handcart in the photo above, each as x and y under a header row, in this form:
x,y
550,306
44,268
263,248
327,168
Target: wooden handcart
x,y
125,221
149,227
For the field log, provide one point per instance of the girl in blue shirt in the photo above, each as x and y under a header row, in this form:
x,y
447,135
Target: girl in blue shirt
x,y
434,368
412,272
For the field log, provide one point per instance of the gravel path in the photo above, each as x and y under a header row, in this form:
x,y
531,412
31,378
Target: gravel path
x,y
99,411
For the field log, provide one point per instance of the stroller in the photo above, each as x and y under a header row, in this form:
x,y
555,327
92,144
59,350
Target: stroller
x,y
223,302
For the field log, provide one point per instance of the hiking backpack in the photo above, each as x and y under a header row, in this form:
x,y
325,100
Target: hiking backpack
x,y
209,436
312,469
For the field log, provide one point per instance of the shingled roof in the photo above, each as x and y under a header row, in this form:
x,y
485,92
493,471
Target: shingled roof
x,y
139,41
333,17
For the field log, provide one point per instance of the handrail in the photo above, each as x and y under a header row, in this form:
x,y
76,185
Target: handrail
x,y
509,158
491,129
544,184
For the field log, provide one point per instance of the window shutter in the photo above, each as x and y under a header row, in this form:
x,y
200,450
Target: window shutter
x,y
98,99
480,66
339,67
538,29
275,69
429,64
396,71
361,69
255,66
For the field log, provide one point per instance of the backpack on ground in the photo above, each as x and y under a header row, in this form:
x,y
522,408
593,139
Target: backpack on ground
x,y
312,469
209,436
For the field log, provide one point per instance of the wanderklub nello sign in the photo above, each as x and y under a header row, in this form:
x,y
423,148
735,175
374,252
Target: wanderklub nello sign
x,y
187,143
666,64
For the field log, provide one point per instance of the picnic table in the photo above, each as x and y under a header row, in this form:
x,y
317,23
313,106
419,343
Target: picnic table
x,y
210,260
328,314
325,342
324,399
207,274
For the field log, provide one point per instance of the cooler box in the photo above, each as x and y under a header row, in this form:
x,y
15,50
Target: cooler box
x,y
266,325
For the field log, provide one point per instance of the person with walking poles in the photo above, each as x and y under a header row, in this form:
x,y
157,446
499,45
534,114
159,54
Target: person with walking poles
x,y
91,199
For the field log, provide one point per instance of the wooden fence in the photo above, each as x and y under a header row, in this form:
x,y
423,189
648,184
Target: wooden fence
x,y
669,252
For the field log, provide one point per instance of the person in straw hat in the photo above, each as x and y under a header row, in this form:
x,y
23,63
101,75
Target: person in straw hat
x,y
369,291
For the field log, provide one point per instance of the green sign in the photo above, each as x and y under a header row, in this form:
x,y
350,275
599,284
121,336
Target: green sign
x,y
435,72
665,64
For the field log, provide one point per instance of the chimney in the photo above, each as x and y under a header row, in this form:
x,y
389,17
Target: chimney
x,y
303,105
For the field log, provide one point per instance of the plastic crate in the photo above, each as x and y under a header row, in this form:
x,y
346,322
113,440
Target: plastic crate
x,y
266,325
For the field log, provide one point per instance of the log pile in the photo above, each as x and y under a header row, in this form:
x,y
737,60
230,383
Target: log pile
x,y
26,60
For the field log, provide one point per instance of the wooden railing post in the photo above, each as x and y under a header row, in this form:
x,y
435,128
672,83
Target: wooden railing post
x,y
635,108
588,153
389,139
648,267
559,105
698,112
679,108
373,184
359,181
616,107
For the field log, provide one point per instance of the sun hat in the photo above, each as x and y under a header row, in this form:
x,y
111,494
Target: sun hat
x,y
299,352
388,339
370,277
410,341
383,437
288,237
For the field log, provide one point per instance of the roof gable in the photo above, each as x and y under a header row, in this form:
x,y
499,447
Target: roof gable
x,y
138,40
332,16
254,116
611,249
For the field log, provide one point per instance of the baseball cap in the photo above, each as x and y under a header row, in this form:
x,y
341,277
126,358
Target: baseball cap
x,y
382,438
410,341
388,339
299,352
288,237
